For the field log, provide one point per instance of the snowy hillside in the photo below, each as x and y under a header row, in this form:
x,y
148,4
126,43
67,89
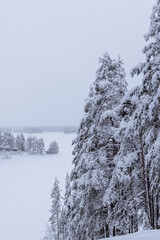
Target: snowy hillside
x,y
143,235
25,188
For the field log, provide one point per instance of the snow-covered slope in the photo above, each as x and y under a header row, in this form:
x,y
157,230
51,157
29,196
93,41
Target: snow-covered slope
x,y
142,235
25,187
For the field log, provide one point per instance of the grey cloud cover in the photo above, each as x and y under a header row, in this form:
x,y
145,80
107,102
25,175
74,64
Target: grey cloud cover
x,y
49,53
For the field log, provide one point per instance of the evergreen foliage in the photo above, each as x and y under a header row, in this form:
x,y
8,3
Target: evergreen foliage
x,y
55,210
114,187
95,148
32,145
53,148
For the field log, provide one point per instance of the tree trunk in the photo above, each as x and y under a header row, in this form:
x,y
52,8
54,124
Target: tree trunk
x,y
145,181
110,225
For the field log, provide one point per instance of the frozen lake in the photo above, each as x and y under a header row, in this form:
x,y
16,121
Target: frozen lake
x,y
25,187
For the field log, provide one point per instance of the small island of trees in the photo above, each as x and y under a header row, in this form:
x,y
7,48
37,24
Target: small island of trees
x,y
32,145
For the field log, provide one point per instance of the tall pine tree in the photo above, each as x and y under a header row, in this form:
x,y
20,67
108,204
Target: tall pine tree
x,y
147,117
95,148
55,210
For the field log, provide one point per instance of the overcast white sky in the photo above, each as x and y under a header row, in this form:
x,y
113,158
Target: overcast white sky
x,y
49,51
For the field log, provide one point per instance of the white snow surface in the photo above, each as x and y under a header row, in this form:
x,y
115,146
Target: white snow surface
x,y
141,235
25,188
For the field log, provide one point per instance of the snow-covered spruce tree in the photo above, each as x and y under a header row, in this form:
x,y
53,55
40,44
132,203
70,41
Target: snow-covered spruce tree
x,y
55,210
134,187
95,148
28,146
34,145
8,141
53,148
80,144
62,225
1,140
11,141
125,191
40,146
18,143
147,118
66,210
22,143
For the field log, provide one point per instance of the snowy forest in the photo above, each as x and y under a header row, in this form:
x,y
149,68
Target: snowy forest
x,y
10,144
114,186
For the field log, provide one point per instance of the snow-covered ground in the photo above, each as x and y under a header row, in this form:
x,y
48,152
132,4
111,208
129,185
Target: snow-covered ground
x,y
142,235
25,187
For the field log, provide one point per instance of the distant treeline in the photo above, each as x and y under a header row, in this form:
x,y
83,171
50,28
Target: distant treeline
x,y
31,145
65,129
